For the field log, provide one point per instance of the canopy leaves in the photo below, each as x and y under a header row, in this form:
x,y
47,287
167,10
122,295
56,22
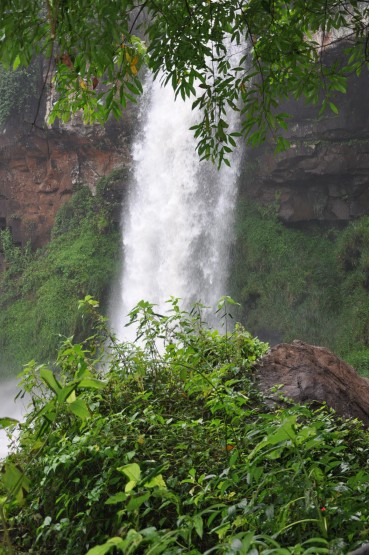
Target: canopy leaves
x,y
227,55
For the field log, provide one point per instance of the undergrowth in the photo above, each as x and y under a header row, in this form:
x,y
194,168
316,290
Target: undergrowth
x,y
172,449
311,285
40,291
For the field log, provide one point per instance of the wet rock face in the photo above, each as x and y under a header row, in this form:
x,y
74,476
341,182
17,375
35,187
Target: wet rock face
x,y
325,175
309,373
39,170
40,166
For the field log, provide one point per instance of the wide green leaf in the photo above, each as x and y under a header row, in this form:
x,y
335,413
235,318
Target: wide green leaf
x,y
137,500
119,497
91,383
79,408
132,471
49,378
106,547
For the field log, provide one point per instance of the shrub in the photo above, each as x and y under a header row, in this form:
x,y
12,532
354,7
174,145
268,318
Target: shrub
x,y
286,280
19,92
360,361
173,450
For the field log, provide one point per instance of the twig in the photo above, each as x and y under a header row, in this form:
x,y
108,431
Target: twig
x,y
142,7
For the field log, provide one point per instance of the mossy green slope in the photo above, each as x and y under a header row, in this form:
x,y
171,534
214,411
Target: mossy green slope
x,y
40,291
311,285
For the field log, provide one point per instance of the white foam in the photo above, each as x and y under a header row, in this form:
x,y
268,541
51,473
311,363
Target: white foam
x,y
177,229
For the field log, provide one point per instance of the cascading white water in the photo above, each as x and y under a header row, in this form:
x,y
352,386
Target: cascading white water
x,y
9,408
178,226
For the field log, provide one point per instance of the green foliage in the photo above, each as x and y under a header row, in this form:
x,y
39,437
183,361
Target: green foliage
x,y
310,285
360,361
246,56
40,291
171,449
16,258
18,92
286,280
353,249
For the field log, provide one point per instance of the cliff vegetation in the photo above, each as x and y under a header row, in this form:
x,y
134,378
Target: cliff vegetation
x,y
19,92
40,290
310,284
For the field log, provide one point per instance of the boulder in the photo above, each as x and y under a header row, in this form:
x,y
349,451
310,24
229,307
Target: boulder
x,y
314,374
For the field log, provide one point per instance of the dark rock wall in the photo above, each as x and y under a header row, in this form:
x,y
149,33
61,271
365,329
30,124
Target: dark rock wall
x,y
325,175
309,373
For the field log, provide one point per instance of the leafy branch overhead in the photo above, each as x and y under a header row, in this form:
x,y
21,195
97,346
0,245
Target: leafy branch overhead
x,y
229,54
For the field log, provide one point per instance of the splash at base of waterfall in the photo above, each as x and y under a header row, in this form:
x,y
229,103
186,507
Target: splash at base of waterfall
x,y
178,228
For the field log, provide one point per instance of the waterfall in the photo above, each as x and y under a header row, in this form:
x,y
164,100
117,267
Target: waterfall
x,y
9,407
177,228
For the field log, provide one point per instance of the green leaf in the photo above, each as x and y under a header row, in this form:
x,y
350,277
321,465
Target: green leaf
x,y
340,87
80,409
15,481
67,393
318,475
157,481
132,471
117,498
284,433
136,501
48,377
106,547
199,525
92,383
282,144
333,107
16,62
7,422
72,397
130,485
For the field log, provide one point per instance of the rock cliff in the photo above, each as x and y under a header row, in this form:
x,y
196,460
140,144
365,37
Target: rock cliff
x,y
38,172
309,374
325,175
40,166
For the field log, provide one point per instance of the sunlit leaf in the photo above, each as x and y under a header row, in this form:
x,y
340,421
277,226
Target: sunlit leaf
x,y
117,498
136,501
7,422
157,481
107,547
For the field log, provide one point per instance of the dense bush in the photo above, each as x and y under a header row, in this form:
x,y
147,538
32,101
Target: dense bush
x,y
40,291
173,450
